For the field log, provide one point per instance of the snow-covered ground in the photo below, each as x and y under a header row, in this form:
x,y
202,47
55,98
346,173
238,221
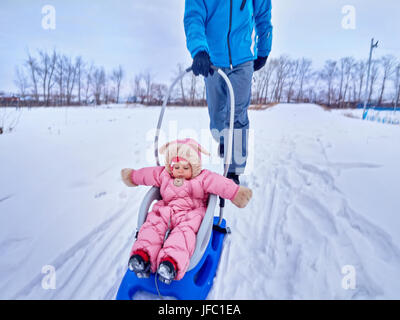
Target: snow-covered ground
x,y
382,116
323,222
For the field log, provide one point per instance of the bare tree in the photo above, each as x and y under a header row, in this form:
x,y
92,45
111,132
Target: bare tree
x,y
397,86
354,84
180,70
346,66
137,88
88,82
358,73
148,79
373,77
116,77
362,70
266,78
70,78
21,81
158,92
204,94
313,91
282,68
341,72
192,91
59,78
51,78
258,82
293,76
98,83
274,82
45,71
79,66
388,63
107,93
33,69
328,74
201,93
304,76
139,91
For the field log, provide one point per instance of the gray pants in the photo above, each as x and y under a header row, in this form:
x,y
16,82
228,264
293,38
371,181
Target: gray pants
x,y
219,110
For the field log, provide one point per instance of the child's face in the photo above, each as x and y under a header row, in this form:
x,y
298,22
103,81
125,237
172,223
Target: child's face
x,y
182,170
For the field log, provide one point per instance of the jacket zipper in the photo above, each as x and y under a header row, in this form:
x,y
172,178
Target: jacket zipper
x,y
229,32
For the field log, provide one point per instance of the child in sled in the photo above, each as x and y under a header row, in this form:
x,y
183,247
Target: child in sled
x,y
184,188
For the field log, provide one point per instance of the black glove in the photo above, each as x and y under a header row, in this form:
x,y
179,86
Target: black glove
x,y
259,63
202,64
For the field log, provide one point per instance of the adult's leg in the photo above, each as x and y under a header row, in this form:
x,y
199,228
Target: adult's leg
x,y
241,79
219,110
216,92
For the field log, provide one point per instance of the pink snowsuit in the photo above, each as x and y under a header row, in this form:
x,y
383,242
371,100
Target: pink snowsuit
x,y
181,210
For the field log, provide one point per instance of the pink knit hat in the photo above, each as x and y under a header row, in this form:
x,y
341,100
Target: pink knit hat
x,y
183,150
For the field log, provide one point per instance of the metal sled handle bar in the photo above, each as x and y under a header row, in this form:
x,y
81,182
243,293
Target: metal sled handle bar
x,y
228,157
160,118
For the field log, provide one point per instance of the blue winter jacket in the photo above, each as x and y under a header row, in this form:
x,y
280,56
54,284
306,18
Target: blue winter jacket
x,y
231,31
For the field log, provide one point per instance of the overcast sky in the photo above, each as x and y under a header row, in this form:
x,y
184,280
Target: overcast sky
x,y
148,35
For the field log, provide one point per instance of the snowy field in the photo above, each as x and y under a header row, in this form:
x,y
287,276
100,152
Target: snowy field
x,y
323,222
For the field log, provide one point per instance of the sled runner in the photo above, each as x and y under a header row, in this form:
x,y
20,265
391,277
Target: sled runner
x,y
197,282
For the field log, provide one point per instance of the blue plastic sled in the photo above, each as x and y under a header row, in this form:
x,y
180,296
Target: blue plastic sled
x,y
196,283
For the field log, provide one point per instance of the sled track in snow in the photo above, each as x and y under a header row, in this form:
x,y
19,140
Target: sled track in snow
x,y
304,212
291,242
84,269
295,222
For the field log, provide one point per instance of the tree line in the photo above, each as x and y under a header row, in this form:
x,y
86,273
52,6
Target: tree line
x,y
55,79
339,83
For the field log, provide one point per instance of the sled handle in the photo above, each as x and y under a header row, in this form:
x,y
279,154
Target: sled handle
x,y
160,118
228,157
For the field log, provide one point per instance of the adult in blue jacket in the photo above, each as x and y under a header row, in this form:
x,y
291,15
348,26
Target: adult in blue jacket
x,y
236,36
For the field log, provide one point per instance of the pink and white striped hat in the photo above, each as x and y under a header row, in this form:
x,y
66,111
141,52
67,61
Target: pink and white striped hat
x,y
186,150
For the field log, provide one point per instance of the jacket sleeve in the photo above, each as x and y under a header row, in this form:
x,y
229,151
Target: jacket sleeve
x,y
194,22
262,14
149,176
217,184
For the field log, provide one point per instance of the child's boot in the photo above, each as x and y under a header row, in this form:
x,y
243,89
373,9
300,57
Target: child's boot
x,y
140,264
167,271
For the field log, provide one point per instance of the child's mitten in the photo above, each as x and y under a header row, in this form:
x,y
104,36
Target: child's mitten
x,y
243,197
126,175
